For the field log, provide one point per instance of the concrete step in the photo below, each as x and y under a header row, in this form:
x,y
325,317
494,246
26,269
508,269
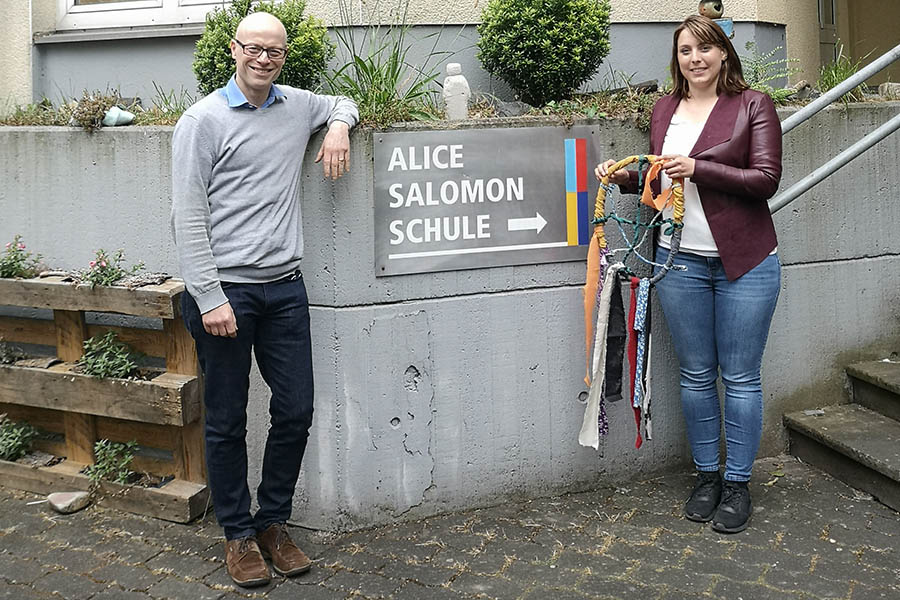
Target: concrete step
x,y
858,446
876,385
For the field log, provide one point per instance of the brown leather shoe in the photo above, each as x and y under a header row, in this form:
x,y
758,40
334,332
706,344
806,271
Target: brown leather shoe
x,y
287,558
245,562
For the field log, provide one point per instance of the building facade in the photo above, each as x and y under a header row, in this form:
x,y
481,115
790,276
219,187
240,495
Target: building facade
x,y
58,48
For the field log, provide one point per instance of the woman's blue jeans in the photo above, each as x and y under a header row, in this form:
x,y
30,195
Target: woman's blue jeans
x,y
719,324
273,323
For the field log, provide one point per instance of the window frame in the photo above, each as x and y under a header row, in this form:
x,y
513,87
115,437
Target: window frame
x,y
133,13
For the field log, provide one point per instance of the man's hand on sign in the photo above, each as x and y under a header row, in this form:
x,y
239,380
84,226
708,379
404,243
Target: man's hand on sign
x,y
336,150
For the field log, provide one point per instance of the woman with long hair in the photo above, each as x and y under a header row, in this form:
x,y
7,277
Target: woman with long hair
x,y
724,140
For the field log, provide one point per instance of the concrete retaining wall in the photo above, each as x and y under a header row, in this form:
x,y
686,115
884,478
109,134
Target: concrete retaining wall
x,y
448,390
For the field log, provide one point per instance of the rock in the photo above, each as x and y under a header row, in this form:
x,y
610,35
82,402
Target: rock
x,y
68,502
802,90
889,90
512,109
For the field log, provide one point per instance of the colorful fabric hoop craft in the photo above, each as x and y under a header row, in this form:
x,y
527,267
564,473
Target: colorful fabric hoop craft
x,y
600,287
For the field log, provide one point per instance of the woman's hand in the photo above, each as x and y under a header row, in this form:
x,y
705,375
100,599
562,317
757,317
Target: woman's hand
x,y
620,177
677,166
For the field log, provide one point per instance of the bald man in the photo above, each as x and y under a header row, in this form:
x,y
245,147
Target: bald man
x,y
236,171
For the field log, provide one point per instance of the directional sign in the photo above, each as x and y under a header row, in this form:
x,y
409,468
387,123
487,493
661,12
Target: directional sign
x,y
466,199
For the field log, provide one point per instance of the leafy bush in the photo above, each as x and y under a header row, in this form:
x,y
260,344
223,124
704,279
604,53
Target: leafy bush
x,y
544,49
309,48
832,74
15,439
17,262
112,462
386,88
762,69
107,270
106,356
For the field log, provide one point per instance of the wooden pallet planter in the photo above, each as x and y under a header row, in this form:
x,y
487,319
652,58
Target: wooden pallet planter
x,y
162,413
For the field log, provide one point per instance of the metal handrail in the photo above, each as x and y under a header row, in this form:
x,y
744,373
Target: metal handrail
x,y
796,190
841,160
839,90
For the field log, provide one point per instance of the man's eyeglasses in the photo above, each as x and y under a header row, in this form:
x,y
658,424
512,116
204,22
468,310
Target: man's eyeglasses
x,y
255,51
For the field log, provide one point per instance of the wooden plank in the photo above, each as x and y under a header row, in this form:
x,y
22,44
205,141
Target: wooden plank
x,y
168,399
150,435
42,418
54,293
181,352
178,500
28,331
181,357
71,331
141,464
81,432
151,342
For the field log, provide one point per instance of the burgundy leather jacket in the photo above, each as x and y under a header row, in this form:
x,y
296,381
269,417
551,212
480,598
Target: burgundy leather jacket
x,y
737,169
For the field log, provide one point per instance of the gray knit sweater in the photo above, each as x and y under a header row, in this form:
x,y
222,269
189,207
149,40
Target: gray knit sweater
x,y
235,188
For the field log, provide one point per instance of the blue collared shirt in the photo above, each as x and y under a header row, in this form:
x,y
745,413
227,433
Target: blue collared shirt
x,y
237,99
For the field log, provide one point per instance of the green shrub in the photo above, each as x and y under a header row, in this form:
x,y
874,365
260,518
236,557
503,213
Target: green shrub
x,y
105,356
15,439
112,462
309,48
544,49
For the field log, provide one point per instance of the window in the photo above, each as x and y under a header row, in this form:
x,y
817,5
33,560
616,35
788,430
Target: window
x,y
91,14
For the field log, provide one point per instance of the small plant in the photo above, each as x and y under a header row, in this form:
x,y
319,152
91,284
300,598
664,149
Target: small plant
x,y
832,74
91,109
39,113
15,439
619,100
386,88
105,356
762,69
308,46
167,107
16,261
107,270
112,462
544,50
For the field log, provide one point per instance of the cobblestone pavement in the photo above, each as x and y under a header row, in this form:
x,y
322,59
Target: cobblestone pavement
x,y
811,537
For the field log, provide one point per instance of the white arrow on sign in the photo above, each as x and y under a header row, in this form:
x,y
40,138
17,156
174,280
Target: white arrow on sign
x,y
536,222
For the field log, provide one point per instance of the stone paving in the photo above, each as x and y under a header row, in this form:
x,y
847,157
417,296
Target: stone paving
x,y
811,537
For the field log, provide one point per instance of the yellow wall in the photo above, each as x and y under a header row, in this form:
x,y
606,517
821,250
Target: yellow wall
x,y
15,60
871,28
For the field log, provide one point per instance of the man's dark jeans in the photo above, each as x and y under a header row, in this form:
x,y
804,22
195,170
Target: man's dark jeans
x,y
273,320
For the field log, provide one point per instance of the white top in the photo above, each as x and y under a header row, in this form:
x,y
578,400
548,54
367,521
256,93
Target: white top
x,y
681,137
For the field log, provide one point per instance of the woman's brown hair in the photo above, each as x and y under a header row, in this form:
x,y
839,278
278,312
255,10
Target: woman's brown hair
x,y
731,77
